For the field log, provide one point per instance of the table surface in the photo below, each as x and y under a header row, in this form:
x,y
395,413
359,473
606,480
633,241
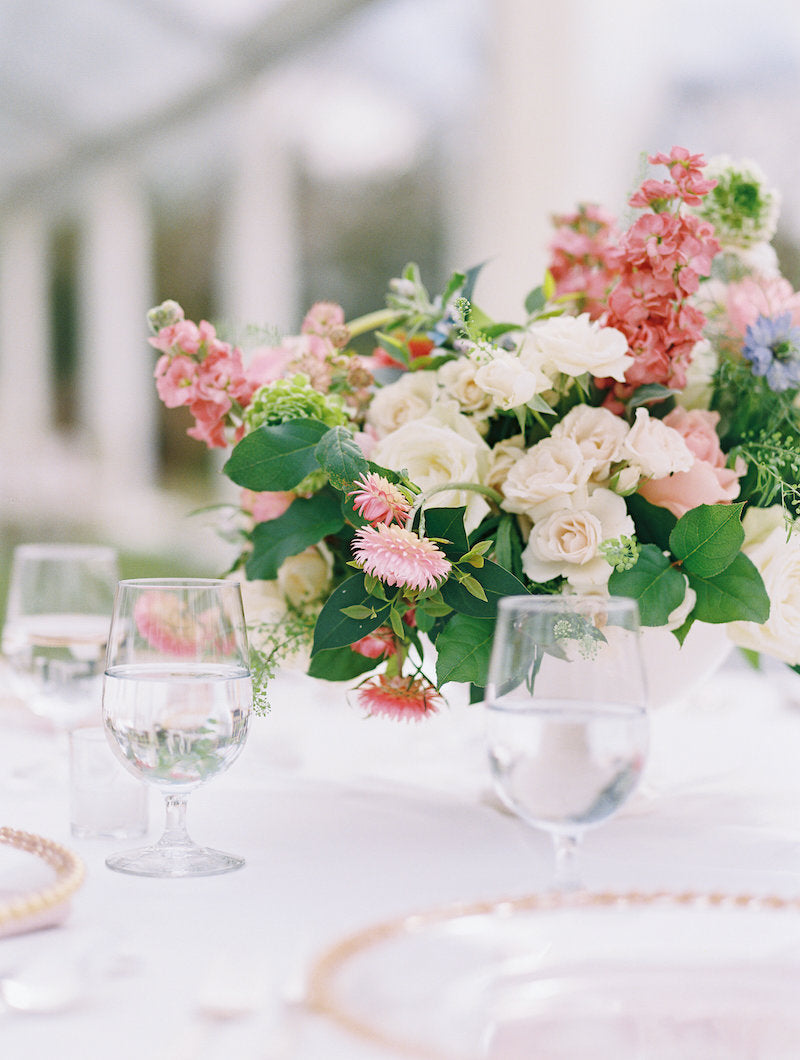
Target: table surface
x,y
345,822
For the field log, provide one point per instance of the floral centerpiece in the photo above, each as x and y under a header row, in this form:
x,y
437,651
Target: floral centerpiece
x,y
636,432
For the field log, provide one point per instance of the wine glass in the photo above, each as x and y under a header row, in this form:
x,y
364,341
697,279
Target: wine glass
x,y
56,628
567,724
177,696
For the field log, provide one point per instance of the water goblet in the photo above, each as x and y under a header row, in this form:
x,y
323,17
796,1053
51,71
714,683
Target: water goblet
x,y
567,724
56,628
177,697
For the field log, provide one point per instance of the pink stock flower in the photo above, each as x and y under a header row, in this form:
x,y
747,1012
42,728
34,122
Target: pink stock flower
x,y
325,319
267,505
210,421
378,500
400,557
708,480
267,364
399,698
176,380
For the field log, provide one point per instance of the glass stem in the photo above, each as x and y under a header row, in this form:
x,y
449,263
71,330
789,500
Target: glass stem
x,y
567,877
175,835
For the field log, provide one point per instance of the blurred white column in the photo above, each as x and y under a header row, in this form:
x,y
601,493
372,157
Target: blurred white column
x,y
26,371
527,157
117,390
259,261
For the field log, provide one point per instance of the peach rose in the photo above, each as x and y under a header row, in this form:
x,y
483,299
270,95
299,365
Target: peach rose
x,y
708,480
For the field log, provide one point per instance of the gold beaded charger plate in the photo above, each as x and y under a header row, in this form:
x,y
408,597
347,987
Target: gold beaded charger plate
x,y
546,977
37,880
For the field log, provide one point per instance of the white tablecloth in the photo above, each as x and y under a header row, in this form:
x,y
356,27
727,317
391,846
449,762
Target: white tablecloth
x,y
345,822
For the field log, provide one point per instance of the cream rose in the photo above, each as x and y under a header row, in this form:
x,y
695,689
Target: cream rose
x,y
576,345
440,448
407,399
655,449
599,435
502,458
776,554
457,379
509,382
566,543
546,478
306,577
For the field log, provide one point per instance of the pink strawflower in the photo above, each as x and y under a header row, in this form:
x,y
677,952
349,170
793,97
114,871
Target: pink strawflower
x,y
378,500
398,556
376,645
399,698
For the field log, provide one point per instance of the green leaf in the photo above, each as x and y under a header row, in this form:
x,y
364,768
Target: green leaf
x,y
336,630
305,522
340,664
508,545
473,587
358,611
708,538
276,458
463,649
737,594
496,583
339,454
447,525
534,301
654,583
653,523
649,393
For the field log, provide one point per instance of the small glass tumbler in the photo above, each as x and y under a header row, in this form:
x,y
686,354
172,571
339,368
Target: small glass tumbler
x,y
106,802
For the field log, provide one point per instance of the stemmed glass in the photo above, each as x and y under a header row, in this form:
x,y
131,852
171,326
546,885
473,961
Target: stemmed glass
x,y
56,627
567,724
177,696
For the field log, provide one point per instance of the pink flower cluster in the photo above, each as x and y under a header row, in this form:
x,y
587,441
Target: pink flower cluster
x,y
660,261
641,282
581,263
397,697
199,370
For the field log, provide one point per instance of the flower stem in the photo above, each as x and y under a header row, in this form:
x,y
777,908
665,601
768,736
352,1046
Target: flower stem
x,y
371,321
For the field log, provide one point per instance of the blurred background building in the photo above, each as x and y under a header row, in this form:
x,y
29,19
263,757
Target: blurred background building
x,y
249,157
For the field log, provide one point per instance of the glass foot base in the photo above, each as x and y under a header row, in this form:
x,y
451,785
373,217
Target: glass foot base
x,y
174,861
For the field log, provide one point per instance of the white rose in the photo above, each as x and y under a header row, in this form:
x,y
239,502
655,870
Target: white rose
x,y
407,399
509,382
440,448
457,378
547,477
502,458
599,435
655,449
576,345
699,376
777,557
306,577
566,543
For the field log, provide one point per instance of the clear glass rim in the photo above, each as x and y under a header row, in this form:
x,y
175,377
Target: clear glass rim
x,y
178,583
534,602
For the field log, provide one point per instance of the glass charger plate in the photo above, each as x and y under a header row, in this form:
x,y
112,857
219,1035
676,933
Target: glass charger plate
x,y
636,977
37,880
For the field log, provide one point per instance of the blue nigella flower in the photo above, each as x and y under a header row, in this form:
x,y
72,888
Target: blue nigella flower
x,y
772,345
